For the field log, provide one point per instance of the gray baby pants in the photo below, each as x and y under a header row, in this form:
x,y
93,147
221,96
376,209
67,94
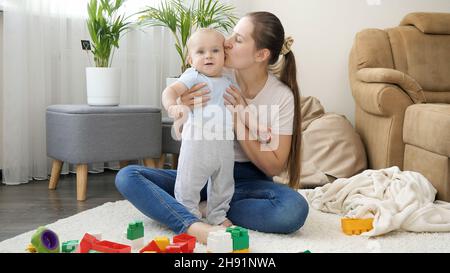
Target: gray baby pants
x,y
201,162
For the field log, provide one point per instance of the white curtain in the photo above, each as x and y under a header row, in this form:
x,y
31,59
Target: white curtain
x,y
44,65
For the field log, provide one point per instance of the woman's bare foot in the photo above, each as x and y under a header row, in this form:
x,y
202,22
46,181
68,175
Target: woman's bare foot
x,y
226,223
200,231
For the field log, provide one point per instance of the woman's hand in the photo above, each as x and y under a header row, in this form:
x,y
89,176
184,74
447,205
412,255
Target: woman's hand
x,y
195,97
233,97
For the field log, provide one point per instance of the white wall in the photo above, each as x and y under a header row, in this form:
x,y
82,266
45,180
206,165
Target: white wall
x,y
1,87
324,30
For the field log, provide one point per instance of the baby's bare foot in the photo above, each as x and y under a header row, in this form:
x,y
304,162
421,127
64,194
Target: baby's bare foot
x,y
226,223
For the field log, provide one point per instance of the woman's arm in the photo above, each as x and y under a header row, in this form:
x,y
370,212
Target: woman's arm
x,y
269,157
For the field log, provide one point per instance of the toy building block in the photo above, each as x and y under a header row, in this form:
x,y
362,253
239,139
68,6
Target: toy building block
x,y
162,242
355,226
135,230
219,241
136,243
186,238
110,247
184,246
69,246
174,248
96,234
45,241
89,242
86,243
240,239
30,248
151,247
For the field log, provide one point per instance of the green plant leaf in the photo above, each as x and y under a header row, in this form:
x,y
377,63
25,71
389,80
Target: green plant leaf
x,y
105,28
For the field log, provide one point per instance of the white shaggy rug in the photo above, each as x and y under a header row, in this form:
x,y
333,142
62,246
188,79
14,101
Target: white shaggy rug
x,y
321,233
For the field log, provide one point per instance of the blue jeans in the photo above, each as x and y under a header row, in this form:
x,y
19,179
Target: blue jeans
x,y
258,203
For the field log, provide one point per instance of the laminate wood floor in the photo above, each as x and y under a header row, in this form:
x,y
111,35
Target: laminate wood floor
x,y
28,206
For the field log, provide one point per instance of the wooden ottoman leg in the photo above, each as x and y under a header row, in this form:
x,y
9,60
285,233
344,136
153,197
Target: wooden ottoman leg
x,y
82,172
56,171
161,161
174,161
124,163
150,163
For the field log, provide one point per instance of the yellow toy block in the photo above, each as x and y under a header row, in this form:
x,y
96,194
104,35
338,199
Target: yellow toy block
x,y
162,242
31,248
247,250
355,226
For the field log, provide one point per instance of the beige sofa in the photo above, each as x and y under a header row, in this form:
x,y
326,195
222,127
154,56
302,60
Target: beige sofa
x,y
400,80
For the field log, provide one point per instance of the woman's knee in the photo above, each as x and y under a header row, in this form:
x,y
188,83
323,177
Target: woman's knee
x,y
125,176
293,213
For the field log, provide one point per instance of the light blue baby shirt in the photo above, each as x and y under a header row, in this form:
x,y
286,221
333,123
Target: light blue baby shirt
x,y
215,111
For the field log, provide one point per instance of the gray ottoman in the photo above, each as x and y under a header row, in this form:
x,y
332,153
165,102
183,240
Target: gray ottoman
x,y
169,144
82,134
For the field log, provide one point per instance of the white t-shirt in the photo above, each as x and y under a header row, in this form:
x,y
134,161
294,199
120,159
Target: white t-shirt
x,y
277,101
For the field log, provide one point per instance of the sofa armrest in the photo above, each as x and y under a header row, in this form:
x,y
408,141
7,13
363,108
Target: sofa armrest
x,y
381,99
392,76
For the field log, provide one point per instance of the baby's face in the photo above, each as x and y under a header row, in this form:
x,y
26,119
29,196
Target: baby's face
x,y
206,53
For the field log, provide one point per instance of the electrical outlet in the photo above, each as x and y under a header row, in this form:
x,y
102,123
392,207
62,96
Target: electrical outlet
x,y
85,45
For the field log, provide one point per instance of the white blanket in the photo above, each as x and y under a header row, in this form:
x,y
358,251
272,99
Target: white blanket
x,y
395,199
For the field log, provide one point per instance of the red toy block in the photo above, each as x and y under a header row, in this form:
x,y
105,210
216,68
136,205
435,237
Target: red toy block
x,y
87,242
190,240
184,246
173,248
152,246
111,247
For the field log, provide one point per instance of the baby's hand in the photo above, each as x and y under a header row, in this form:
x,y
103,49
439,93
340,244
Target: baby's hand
x,y
177,111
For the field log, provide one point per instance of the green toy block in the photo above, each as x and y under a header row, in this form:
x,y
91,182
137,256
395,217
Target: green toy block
x,y
135,230
45,241
240,237
69,246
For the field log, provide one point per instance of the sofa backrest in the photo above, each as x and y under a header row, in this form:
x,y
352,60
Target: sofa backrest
x,y
419,47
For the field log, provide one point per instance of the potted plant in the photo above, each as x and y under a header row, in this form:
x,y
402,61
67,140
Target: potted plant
x,y
182,19
106,27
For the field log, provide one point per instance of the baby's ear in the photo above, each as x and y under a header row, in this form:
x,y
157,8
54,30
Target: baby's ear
x,y
189,60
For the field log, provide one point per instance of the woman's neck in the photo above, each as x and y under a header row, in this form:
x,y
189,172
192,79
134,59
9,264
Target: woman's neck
x,y
251,81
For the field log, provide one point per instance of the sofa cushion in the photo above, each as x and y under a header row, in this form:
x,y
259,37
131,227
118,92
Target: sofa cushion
x,y
426,58
428,126
373,49
428,22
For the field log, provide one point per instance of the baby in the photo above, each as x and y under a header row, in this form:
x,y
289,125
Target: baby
x,y
206,154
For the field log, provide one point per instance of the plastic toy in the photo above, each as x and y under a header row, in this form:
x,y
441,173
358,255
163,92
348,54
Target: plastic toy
x,y
182,243
89,242
69,246
30,248
163,242
135,230
355,226
219,242
190,240
240,239
152,247
45,241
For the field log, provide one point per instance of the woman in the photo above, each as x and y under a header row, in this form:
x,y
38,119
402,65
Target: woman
x,y
258,203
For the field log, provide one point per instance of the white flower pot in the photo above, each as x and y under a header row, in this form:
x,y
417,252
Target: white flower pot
x,y
103,85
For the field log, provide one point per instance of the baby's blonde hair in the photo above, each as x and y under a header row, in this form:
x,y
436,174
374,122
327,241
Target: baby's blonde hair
x,y
202,31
